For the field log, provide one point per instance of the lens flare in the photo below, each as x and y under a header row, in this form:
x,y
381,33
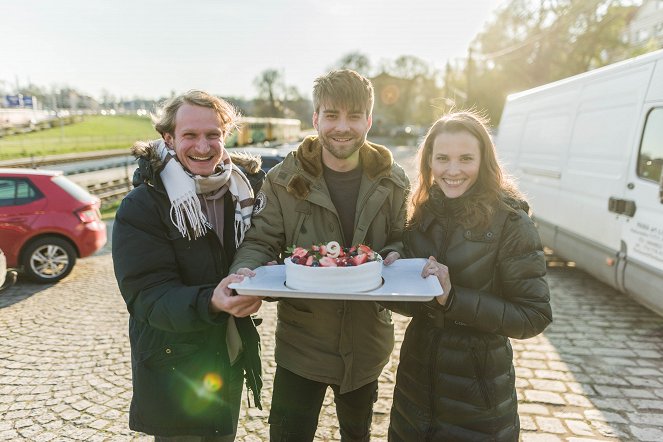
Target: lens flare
x,y
212,382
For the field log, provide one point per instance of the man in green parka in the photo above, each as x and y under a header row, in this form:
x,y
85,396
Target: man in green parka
x,y
336,186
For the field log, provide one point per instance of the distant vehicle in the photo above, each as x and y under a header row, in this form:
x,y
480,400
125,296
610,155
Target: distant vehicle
x,y
46,223
588,151
7,277
270,156
254,130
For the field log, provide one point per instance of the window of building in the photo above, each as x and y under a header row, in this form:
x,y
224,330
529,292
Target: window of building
x,y
650,157
642,35
658,29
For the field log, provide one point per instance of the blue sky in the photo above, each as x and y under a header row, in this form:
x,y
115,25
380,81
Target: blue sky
x,y
149,48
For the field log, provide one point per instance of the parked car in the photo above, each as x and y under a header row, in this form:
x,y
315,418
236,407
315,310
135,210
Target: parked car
x,y
270,156
46,223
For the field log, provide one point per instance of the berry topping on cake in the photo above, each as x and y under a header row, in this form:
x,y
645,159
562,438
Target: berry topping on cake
x,y
332,254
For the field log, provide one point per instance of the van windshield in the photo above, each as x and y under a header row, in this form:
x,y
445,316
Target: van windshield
x,y
73,189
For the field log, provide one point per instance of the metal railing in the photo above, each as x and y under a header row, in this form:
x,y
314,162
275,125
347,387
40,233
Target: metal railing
x,y
110,191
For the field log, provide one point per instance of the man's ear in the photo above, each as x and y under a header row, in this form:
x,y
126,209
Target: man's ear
x,y
315,120
168,139
370,122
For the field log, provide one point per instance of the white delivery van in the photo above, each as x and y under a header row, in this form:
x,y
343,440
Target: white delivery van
x,y
588,152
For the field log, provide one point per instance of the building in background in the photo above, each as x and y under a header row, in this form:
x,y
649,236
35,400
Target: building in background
x,y
646,27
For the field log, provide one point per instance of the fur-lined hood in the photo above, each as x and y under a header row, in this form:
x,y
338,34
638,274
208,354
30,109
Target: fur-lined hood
x,y
147,151
377,162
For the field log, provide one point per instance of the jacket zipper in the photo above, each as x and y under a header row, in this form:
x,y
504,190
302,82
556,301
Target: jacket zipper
x,y
480,379
432,369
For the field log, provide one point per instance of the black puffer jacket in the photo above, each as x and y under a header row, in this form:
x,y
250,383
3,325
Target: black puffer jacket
x,y
179,357
456,379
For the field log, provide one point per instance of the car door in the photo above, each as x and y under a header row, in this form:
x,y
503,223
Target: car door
x,y
642,232
20,203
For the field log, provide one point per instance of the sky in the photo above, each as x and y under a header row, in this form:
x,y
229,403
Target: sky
x,y
150,48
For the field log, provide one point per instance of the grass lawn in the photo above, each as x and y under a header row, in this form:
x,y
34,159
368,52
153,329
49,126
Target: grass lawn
x,y
95,132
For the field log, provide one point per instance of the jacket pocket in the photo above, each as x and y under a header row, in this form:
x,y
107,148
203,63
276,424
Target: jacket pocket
x,y
481,379
168,356
291,315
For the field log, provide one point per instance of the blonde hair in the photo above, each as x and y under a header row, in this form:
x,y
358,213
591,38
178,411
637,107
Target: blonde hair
x,y
165,122
492,184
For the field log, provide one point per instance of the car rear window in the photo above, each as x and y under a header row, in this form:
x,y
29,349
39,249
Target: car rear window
x,y
17,191
72,188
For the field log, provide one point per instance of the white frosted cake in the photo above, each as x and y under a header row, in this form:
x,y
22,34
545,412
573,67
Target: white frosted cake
x,y
361,278
330,268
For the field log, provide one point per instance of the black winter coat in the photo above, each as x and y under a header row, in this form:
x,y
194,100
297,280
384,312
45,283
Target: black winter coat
x,y
179,357
456,380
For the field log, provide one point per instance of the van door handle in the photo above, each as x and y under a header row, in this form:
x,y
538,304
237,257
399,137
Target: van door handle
x,y
621,206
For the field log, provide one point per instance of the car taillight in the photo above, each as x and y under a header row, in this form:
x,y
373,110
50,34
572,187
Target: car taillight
x,y
88,214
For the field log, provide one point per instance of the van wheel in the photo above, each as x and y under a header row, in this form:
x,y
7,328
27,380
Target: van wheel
x,y
48,259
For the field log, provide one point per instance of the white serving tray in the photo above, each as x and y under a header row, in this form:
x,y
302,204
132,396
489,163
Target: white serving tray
x,y
402,282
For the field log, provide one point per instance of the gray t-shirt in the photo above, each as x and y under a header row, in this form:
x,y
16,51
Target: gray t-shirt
x,y
344,190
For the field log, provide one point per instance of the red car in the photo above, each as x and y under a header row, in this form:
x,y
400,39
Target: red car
x,y
46,223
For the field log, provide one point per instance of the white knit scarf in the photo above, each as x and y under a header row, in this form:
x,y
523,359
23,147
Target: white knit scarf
x,y
183,187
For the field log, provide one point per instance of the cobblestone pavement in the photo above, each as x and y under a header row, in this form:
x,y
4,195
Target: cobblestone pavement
x,y
595,374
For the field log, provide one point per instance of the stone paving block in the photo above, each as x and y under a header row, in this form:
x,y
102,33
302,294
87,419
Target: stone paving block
x,y
550,424
603,415
533,355
527,424
647,404
643,382
568,415
545,397
612,404
8,435
610,380
548,385
608,390
553,374
45,437
651,419
577,400
579,427
647,434
537,437
644,371
622,361
581,388
523,372
528,408
637,393
583,439
608,430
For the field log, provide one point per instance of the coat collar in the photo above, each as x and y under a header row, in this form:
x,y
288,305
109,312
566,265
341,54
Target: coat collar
x,y
150,164
376,160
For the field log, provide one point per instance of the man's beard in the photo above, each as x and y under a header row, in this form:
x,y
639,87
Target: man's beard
x,y
341,153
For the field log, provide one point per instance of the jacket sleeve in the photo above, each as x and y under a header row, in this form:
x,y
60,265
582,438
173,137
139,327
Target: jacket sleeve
x,y
522,309
399,215
148,275
264,241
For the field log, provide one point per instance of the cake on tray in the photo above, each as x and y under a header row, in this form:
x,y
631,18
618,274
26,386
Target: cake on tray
x,y
334,269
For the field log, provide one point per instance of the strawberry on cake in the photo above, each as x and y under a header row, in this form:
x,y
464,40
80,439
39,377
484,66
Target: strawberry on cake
x,y
332,268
